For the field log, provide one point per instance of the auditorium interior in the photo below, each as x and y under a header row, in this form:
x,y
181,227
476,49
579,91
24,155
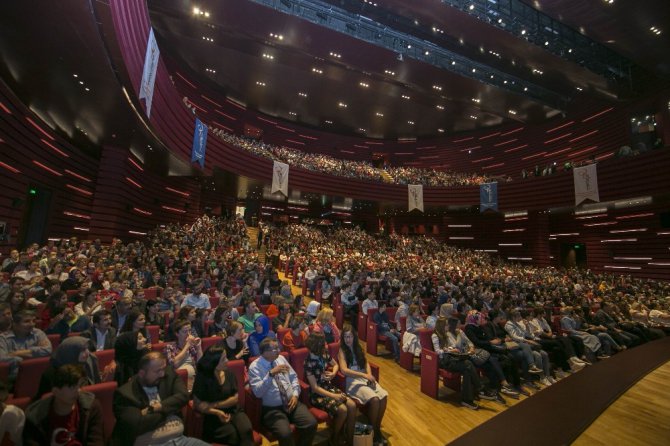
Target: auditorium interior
x,y
529,135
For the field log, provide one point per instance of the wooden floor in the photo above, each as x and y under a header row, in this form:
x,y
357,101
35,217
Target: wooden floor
x,y
641,416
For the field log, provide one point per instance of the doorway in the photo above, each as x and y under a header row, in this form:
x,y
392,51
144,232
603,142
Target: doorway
x,y
35,216
573,255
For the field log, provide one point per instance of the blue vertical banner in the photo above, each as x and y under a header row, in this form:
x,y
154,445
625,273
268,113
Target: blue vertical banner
x,y
488,197
199,143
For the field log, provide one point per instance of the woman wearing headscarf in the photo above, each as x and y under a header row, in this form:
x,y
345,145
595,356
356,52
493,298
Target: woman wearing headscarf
x,y
73,350
261,331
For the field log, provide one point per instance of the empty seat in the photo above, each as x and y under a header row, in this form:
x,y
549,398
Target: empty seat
x,y
104,392
29,375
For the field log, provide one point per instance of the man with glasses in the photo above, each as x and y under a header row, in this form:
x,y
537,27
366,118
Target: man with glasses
x,y
274,381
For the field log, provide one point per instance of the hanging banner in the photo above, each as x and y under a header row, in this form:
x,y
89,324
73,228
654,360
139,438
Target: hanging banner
x,y
586,184
488,197
149,72
199,143
280,178
415,197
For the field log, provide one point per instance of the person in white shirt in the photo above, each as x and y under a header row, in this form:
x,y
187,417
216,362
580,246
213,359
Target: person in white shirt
x,y
369,302
310,276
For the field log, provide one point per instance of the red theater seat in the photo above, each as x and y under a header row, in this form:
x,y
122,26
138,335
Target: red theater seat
x,y
430,369
373,338
28,377
104,392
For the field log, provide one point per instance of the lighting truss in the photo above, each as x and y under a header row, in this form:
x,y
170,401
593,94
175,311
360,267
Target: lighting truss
x,y
407,45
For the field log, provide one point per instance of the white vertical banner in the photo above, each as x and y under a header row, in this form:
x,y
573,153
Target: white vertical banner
x,y
415,197
586,184
280,178
149,72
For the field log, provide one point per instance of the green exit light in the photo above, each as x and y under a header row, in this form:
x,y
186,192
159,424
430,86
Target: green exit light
x,y
32,191
578,246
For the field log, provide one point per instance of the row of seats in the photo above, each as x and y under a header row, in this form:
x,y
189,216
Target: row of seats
x,y
30,371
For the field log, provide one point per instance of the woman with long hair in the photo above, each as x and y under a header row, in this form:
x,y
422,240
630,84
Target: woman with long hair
x,y
360,383
320,369
132,343
215,394
454,348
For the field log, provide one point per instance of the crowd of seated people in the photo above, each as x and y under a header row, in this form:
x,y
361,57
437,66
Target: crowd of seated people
x,y
478,304
350,168
537,324
138,301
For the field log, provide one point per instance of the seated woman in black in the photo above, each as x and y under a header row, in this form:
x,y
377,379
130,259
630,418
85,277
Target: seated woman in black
x,y
215,395
130,346
235,342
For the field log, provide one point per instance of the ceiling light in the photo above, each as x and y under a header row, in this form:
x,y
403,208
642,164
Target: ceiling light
x,y
364,84
81,82
300,93
405,97
75,75
381,115
546,43
389,72
471,7
209,70
268,56
655,30
360,129
580,89
328,122
293,113
512,112
536,71
473,116
440,130
474,70
477,100
260,84
277,36
87,89
427,53
209,39
409,47
437,87
523,32
410,122
335,55
525,88
453,62
440,107
342,104
196,11
317,71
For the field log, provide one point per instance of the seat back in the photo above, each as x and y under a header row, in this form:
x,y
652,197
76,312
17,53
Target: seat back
x,y
362,326
280,335
105,357
297,361
214,301
209,341
55,340
104,392
150,293
154,332
425,338
28,377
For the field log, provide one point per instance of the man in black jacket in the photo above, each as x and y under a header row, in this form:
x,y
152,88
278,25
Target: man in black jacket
x,y
148,407
69,415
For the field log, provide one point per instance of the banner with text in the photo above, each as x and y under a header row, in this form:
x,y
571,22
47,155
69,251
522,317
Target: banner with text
x,y
586,184
199,143
488,197
149,72
415,197
280,178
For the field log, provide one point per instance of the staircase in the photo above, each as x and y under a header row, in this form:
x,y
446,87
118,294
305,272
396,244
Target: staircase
x,y
385,175
252,232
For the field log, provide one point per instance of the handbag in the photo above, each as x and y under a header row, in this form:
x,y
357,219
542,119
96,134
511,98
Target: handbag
x,y
480,356
363,435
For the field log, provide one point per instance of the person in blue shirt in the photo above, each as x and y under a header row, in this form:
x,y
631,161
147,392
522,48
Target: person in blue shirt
x,y
272,379
384,328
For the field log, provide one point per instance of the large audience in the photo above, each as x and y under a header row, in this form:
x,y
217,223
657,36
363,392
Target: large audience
x,y
156,303
352,169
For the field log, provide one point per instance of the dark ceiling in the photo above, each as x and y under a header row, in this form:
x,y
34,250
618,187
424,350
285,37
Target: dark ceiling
x,y
232,45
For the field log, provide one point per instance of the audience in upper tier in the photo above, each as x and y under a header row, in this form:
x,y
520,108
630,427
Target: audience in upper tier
x,y
501,317
350,168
